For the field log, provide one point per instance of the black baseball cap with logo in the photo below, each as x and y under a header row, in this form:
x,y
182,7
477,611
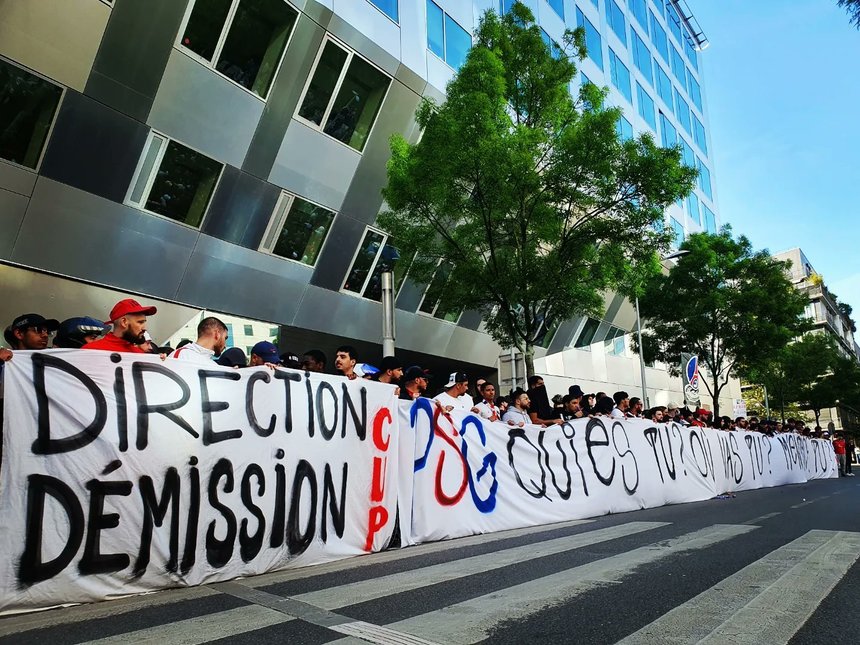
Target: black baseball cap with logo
x,y
26,321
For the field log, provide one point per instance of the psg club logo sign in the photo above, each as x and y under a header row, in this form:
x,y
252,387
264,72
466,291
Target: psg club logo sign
x,y
691,380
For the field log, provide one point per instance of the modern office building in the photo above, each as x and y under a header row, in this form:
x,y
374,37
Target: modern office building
x,y
228,156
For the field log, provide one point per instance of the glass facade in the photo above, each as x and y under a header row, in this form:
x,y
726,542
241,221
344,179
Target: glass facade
x,y
445,37
668,134
28,104
664,88
617,22
344,95
388,7
245,45
658,37
593,43
646,106
620,76
641,56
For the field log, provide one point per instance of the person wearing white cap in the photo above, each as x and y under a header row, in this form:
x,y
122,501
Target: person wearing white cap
x,y
454,396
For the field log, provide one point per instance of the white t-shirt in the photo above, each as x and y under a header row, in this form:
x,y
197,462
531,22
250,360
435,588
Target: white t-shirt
x,y
459,403
194,353
617,414
488,410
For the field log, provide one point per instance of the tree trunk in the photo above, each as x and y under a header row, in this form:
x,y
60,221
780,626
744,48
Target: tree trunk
x,y
715,399
529,355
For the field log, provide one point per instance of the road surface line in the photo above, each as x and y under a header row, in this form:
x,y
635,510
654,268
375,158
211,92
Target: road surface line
x,y
762,518
394,555
380,635
201,629
765,602
472,620
364,590
80,613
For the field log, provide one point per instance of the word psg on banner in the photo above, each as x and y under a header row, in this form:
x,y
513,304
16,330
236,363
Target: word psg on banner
x,y
123,474
472,476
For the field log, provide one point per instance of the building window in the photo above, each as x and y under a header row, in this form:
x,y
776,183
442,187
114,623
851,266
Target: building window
x,y
695,90
432,303
691,53
693,208
174,181
664,88
705,179
388,7
646,106
244,40
248,330
658,37
557,6
620,75
710,220
616,20
297,230
624,129
641,56
445,37
639,11
375,255
343,96
687,156
678,230
674,21
586,336
28,104
554,48
613,342
668,134
593,43
678,67
683,112
699,135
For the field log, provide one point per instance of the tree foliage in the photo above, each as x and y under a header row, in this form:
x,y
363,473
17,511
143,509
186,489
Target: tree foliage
x,y
732,307
853,9
794,374
523,192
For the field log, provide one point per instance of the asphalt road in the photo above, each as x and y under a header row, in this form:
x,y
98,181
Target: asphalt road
x,y
770,566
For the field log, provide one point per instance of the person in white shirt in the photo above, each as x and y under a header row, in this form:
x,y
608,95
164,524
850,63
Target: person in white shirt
x,y
211,341
454,396
487,407
622,404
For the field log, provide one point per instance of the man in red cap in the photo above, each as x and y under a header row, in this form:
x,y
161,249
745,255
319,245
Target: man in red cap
x,y
128,318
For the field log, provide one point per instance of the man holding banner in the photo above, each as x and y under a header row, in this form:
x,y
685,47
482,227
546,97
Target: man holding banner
x,y
128,318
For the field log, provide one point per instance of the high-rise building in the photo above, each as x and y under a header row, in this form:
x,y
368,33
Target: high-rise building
x,y
228,155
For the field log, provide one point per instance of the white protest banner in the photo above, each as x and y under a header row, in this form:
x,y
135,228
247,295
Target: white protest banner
x,y
122,473
472,476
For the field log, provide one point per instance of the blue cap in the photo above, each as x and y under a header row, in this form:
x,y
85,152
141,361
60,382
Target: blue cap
x,y
267,351
365,369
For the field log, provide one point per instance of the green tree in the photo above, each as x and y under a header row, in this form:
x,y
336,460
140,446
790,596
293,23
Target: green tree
x,y
732,307
853,9
840,385
794,370
522,194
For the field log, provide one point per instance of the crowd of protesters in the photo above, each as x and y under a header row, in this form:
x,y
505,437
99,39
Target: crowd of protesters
x,y
125,331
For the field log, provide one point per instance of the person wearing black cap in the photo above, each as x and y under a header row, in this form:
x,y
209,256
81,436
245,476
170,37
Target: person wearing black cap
x,y
414,383
128,318
233,357
390,371
31,331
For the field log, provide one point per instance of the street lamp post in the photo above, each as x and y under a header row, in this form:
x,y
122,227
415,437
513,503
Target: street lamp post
x,y
387,313
671,256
